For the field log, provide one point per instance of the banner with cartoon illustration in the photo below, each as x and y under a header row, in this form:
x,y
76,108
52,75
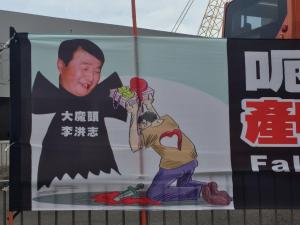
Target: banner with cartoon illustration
x,y
188,130
95,135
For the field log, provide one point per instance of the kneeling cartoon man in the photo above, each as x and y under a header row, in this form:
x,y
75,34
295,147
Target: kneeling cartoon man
x,y
177,163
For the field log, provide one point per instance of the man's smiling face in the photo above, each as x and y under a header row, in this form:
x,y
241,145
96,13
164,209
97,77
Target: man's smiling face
x,y
81,75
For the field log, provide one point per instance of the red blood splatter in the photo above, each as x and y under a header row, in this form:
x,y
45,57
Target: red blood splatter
x,y
108,198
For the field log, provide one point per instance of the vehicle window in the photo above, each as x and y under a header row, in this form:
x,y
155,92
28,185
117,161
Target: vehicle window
x,y
254,18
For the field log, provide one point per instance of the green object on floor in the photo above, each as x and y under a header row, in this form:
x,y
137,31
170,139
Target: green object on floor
x,y
130,192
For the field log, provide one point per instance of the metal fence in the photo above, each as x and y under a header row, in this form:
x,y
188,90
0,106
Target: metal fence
x,y
217,217
4,158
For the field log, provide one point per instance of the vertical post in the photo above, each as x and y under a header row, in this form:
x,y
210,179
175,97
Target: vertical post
x,y
135,35
276,216
133,11
292,216
10,218
196,217
143,217
260,216
123,217
55,218
106,217
22,217
164,218
136,64
73,217
245,216
212,217
180,217
89,217
4,207
1,145
228,217
6,155
143,213
39,218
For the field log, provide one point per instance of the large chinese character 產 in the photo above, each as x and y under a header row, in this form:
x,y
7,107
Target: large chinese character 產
x,y
269,122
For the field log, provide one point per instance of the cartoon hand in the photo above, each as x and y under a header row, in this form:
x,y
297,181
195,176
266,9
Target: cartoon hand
x,y
132,108
148,102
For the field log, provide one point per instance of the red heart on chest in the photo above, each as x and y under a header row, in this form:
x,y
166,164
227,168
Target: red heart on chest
x,y
170,134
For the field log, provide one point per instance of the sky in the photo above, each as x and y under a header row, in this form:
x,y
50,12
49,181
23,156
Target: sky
x,y
151,14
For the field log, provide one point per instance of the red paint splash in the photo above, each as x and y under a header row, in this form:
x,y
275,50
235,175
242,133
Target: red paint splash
x,y
108,199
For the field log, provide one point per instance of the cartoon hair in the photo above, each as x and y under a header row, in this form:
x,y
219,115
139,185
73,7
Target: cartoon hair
x,y
148,116
68,47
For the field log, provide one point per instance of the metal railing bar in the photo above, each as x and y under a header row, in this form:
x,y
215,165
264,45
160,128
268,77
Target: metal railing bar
x,y
106,217
6,158
260,216
123,217
180,217
4,207
228,217
245,219
1,155
276,216
73,217
275,198
3,183
229,214
164,218
90,217
196,217
22,218
292,216
55,218
292,200
149,217
212,220
39,218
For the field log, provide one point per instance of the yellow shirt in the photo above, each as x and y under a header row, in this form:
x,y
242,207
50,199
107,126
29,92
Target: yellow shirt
x,y
171,157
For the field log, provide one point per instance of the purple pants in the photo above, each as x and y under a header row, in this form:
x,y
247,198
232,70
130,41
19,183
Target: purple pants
x,y
185,189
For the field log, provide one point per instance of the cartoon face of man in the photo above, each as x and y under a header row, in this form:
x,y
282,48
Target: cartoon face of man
x,y
81,75
148,119
144,124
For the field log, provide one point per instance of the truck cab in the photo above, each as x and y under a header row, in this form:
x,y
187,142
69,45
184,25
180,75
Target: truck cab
x,y
262,19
